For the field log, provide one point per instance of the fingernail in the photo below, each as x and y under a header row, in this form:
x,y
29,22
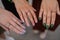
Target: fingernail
x,y
34,24
23,32
47,26
36,21
51,25
39,18
23,27
44,24
10,0
28,24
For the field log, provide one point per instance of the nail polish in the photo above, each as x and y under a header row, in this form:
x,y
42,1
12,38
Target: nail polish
x,y
47,26
51,25
10,1
44,24
39,18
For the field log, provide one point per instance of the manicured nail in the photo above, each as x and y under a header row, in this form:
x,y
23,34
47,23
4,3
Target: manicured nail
x,y
39,18
23,27
51,25
36,21
23,32
47,26
44,24
10,0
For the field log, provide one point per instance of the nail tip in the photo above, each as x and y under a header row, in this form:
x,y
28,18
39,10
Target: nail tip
x,y
44,24
51,25
47,26
21,33
39,18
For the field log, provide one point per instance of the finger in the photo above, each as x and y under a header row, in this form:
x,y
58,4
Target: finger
x,y
9,26
13,16
31,18
15,30
25,17
16,26
33,15
31,10
58,11
48,18
21,16
4,27
18,22
40,13
29,6
44,18
53,19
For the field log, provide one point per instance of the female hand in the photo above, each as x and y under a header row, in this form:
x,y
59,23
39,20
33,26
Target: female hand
x,y
49,8
9,22
25,11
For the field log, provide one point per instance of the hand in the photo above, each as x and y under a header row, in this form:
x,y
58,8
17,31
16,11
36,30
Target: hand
x,y
48,9
25,11
9,22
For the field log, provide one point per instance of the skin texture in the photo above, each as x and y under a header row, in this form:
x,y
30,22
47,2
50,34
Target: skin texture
x,y
39,26
10,22
25,12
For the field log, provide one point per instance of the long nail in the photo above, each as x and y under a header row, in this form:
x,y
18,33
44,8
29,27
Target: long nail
x,y
51,25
